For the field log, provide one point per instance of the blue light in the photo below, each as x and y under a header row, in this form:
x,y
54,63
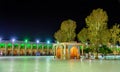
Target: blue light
x,y
13,40
48,42
37,41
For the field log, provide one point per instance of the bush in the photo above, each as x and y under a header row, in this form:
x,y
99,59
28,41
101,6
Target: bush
x,y
105,50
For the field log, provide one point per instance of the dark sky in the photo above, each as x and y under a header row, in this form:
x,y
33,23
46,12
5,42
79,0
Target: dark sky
x,y
40,19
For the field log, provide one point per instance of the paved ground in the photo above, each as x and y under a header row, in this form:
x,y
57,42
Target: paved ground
x,y
49,64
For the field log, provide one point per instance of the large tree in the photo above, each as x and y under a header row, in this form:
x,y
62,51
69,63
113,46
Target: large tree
x,y
97,23
66,33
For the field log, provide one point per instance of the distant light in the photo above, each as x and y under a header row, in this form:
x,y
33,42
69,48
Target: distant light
x,y
26,40
48,42
13,40
37,41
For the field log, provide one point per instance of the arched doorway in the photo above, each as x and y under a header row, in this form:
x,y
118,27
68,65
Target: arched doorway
x,y
58,52
74,53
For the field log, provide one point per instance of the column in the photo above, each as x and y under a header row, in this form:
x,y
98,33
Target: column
x,y
53,51
12,48
31,49
47,49
18,49
61,52
64,53
42,48
78,50
82,50
25,49
5,50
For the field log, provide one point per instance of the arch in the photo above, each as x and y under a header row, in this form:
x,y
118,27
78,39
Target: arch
x,y
58,52
74,52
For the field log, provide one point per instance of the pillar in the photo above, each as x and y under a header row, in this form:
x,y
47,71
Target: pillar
x,y
54,51
64,52
61,53
12,48
19,50
82,50
42,48
68,53
31,49
78,50
5,50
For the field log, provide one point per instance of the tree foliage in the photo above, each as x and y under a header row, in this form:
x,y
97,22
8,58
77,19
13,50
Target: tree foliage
x,y
83,35
104,49
60,36
114,33
66,33
97,25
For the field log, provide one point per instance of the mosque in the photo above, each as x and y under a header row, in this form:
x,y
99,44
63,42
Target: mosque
x,y
64,50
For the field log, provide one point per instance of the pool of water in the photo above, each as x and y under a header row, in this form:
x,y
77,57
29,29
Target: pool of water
x,y
49,64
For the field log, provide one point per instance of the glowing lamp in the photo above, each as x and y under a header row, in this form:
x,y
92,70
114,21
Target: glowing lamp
x,y
37,41
26,40
48,42
13,40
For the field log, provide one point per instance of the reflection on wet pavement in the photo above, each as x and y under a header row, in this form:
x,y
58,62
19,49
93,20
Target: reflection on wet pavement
x,y
49,64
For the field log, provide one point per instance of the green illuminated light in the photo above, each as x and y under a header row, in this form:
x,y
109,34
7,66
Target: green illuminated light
x,y
28,45
50,46
81,47
22,45
34,46
45,46
26,41
40,46
15,44
9,45
2,45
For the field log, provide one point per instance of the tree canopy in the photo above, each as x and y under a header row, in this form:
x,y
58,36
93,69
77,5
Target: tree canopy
x,y
114,33
66,33
97,24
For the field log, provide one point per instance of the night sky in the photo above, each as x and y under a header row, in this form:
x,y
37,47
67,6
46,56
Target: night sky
x,y
39,20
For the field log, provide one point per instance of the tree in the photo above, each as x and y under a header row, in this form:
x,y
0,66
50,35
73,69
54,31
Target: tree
x,y
60,36
104,50
66,31
104,36
96,23
83,35
114,33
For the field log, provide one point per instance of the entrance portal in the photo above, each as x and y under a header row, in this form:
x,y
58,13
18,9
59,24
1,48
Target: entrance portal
x,y
58,53
74,53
